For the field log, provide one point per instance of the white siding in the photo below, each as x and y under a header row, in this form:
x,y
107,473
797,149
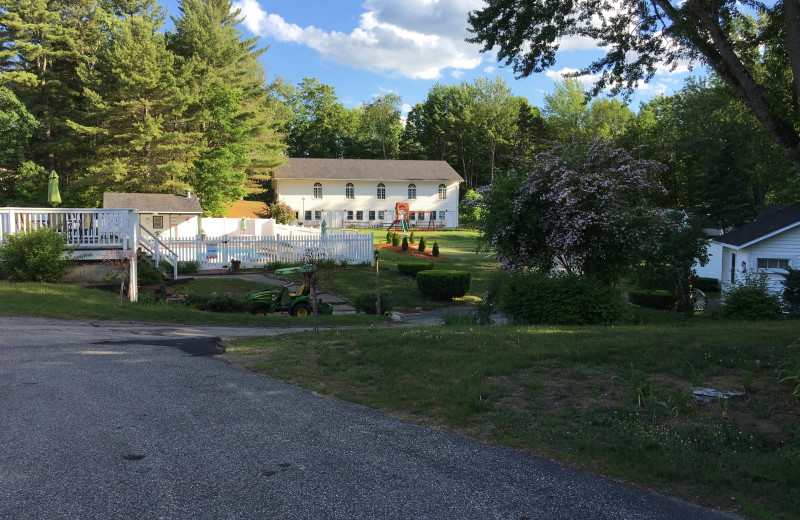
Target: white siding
x,y
784,245
712,269
175,225
299,195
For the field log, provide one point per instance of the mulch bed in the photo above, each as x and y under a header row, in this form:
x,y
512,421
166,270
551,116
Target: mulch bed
x,y
412,251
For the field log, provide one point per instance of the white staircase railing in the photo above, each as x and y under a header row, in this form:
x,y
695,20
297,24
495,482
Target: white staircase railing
x,y
158,250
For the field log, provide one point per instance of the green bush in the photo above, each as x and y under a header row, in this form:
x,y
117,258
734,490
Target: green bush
x,y
791,289
411,237
535,298
271,267
435,250
188,267
705,284
659,300
422,245
389,236
147,274
35,256
413,268
405,244
217,303
444,285
652,277
395,239
750,299
365,302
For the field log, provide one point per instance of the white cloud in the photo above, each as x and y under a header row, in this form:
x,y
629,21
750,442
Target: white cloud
x,y
490,69
588,80
413,38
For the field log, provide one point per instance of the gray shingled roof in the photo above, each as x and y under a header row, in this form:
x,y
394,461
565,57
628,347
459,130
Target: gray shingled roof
x,y
767,222
153,202
367,169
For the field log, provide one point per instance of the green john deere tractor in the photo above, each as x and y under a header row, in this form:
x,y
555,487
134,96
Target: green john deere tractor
x,y
297,304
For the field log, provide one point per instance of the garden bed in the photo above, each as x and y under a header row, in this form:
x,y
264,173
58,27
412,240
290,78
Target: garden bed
x,y
412,251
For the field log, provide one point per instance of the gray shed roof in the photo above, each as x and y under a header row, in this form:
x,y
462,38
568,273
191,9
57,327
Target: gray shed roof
x,y
153,202
766,224
367,169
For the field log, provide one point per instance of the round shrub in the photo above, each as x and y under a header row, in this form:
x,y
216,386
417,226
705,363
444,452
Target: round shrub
x,y
188,267
405,244
412,268
422,245
35,256
659,300
444,285
435,250
535,298
365,302
752,300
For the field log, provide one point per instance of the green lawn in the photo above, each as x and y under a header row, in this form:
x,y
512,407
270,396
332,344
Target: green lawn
x,y
613,400
458,249
72,302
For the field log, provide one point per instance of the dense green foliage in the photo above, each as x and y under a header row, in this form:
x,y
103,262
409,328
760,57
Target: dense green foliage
x,y
413,268
445,284
535,298
147,274
791,289
750,299
705,284
365,302
405,243
435,249
754,47
101,94
217,303
422,245
35,256
659,300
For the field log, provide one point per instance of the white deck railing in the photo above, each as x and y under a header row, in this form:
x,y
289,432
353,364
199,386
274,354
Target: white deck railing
x,y
83,228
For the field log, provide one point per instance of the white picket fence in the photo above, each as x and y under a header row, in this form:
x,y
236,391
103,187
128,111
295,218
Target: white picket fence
x,y
254,251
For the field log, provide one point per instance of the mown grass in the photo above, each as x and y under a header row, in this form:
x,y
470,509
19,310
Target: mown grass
x,y
73,302
614,400
457,246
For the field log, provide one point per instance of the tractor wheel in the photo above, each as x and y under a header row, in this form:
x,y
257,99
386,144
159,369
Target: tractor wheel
x,y
699,300
301,310
259,311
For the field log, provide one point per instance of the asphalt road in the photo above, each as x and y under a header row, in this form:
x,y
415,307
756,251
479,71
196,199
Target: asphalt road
x,y
116,420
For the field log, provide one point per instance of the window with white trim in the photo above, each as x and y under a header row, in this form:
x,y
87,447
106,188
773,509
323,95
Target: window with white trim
x,y
359,215
349,191
371,215
442,192
350,214
317,191
381,191
381,215
308,214
773,263
317,215
412,191
158,222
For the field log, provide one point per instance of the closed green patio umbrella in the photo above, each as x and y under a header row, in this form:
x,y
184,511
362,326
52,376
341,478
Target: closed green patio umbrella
x,y
53,195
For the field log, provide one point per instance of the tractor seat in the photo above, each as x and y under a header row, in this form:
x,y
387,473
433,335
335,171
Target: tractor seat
x,y
300,292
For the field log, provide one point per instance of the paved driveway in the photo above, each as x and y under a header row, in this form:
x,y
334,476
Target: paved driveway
x,y
117,421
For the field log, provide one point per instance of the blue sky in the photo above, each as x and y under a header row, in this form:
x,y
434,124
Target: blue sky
x,y
364,48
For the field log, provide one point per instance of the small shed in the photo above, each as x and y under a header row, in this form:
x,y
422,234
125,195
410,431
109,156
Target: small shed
x,y
166,215
769,245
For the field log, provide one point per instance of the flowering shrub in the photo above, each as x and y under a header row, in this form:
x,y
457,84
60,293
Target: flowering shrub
x,y
583,206
281,212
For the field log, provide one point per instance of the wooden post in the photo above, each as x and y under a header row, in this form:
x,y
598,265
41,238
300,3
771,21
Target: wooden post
x,y
377,284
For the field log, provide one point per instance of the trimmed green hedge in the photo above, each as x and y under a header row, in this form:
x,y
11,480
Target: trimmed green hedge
x,y
444,285
413,268
535,298
705,284
660,300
